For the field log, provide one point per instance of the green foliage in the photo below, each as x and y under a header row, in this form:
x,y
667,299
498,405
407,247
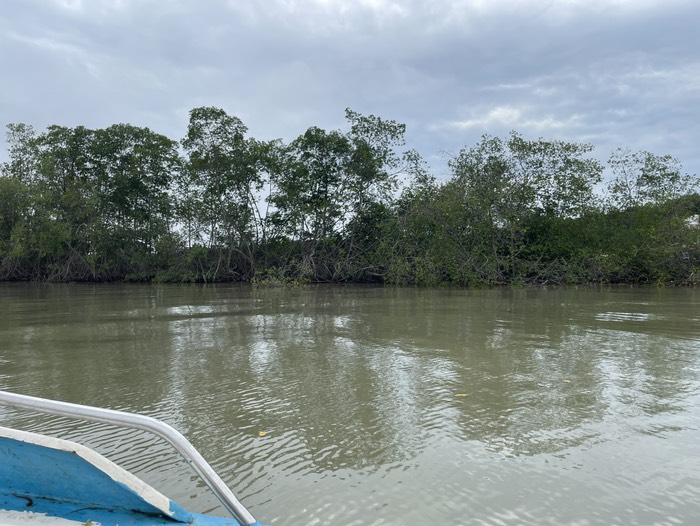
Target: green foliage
x,y
121,203
217,192
510,198
329,187
641,178
277,277
95,202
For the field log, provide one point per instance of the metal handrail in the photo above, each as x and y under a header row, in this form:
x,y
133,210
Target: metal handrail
x,y
145,423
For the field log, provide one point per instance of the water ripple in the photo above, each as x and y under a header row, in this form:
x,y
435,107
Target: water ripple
x,y
371,406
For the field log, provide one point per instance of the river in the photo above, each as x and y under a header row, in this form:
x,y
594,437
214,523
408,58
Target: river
x,y
329,405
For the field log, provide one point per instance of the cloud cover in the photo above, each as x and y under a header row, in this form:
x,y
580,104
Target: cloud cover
x,y
613,73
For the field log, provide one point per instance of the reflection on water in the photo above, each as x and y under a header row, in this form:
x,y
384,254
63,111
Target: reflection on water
x,y
382,406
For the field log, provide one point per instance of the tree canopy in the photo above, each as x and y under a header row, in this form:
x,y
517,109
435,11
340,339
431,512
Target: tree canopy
x,y
126,203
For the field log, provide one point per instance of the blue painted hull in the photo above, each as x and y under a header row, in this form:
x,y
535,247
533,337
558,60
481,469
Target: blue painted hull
x,y
66,482
104,516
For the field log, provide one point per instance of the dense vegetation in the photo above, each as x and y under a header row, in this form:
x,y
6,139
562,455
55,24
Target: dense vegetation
x,y
127,203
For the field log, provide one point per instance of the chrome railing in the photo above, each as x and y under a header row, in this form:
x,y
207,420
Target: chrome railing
x,y
145,423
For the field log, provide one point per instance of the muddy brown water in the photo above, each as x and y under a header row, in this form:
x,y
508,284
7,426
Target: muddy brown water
x,y
363,406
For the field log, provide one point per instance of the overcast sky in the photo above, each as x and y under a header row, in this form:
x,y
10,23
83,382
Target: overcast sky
x,y
613,73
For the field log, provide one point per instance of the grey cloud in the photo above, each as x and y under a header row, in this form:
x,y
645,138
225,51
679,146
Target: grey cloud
x,y
610,72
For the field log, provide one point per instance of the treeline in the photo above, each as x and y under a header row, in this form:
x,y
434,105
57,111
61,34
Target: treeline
x,y
125,203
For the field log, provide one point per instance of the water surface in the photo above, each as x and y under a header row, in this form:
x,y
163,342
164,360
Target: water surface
x,y
382,406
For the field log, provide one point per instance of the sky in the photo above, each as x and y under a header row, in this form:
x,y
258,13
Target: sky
x,y
611,73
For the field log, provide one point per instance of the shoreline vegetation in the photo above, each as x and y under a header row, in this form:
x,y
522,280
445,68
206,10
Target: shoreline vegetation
x,y
127,204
